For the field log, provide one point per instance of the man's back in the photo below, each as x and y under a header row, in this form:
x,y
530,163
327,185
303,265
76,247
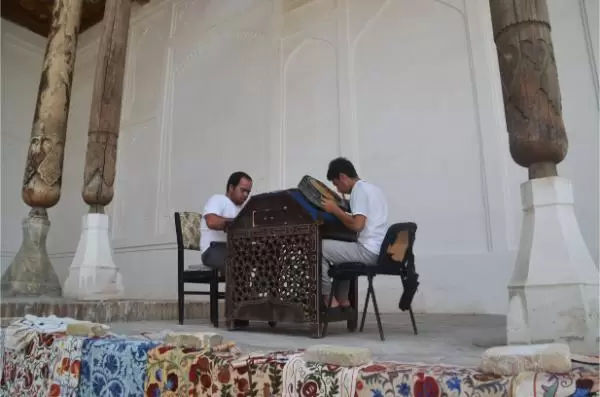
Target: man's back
x,y
368,200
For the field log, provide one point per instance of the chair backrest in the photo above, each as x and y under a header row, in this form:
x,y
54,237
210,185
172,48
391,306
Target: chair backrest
x,y
396,253
187,228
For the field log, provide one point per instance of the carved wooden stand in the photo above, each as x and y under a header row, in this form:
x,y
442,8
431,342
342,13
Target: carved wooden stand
x,y
273,269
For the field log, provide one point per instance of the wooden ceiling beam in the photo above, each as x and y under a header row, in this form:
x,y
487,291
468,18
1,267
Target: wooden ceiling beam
x,y
35,15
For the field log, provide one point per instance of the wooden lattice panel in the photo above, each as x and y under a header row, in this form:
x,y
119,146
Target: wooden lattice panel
x,y
274,269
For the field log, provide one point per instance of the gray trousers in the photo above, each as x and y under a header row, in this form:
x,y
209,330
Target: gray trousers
x,y
214,256
335,252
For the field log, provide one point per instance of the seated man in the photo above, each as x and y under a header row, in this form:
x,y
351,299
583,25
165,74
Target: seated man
x,y
368,218
218,212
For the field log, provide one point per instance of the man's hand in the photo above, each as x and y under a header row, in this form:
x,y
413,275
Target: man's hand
x,y
329,205
353,222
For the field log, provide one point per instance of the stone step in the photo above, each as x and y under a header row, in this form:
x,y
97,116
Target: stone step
x,y
104,312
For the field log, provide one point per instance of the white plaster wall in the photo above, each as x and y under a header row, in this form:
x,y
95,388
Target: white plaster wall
x,y
408,89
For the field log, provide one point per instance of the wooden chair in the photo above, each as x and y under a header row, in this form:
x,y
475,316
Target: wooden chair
x,y
396,258
187,228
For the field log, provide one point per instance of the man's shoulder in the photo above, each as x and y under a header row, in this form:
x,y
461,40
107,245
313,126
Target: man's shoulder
x,y
368,187
218,197
216,202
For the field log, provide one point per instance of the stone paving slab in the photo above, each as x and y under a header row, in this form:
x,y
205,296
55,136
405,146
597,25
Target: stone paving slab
x,y
451,339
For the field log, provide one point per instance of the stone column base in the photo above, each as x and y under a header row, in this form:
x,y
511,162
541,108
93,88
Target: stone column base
x,y
93,274
553,293
31,272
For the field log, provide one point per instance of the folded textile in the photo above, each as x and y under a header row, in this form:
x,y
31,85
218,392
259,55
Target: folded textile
x,y
174,371
87,328
46,324
21,332
302,378
113,367
65,366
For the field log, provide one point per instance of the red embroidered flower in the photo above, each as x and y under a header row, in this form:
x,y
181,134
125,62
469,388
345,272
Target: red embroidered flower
x,y
309,389
224,376
194,373
359,385
426,386
54,390
64,365
203,363
75,367
205,380
242,384
165,348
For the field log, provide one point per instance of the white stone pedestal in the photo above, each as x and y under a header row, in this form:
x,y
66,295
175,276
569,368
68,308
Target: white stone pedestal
x,y
93,274
553,294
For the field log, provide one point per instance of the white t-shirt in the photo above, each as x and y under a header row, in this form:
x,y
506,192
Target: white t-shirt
x,y
368,200
218,204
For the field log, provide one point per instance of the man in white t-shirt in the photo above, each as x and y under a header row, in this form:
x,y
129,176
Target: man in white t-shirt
x,y
219,211
368,218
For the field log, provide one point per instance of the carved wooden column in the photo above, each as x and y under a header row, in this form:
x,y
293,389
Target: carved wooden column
x,y
31,272
553,294
93,273
537,136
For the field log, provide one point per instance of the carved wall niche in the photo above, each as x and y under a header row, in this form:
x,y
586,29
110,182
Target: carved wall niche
x,y
219,88
414,95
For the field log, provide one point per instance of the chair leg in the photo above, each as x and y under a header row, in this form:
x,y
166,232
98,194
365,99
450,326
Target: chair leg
x,y
364,314
376,309
412,320
180,306
329,300
214,299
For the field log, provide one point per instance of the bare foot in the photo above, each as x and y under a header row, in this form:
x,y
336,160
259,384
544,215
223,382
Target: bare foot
x,y
334,302
343,302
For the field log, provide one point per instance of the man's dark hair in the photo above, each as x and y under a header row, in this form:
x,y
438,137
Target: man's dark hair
x,y
339,166
235,178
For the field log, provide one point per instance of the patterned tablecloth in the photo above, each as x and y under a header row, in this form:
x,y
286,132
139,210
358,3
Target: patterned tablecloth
x,y
54,364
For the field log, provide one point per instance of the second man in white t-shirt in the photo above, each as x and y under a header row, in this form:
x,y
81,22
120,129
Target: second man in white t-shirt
x,y
368,217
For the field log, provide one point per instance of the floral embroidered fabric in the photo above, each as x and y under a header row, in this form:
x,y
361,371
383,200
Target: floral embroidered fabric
x,y
65,365
25,373
114,367
307,379
191,372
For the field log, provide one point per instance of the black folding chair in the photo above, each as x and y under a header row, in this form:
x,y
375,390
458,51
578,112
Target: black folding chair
x,y
187,228
396,258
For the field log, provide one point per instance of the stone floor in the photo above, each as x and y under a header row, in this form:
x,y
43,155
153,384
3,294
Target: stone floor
x,y
448,339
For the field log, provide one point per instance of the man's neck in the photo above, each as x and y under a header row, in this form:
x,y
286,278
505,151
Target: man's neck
x,y
354,182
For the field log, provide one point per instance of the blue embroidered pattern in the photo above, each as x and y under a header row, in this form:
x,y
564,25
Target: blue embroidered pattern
x,y
114,367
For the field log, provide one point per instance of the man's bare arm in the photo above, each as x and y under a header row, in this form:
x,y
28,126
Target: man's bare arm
x,y
217,222
356,223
